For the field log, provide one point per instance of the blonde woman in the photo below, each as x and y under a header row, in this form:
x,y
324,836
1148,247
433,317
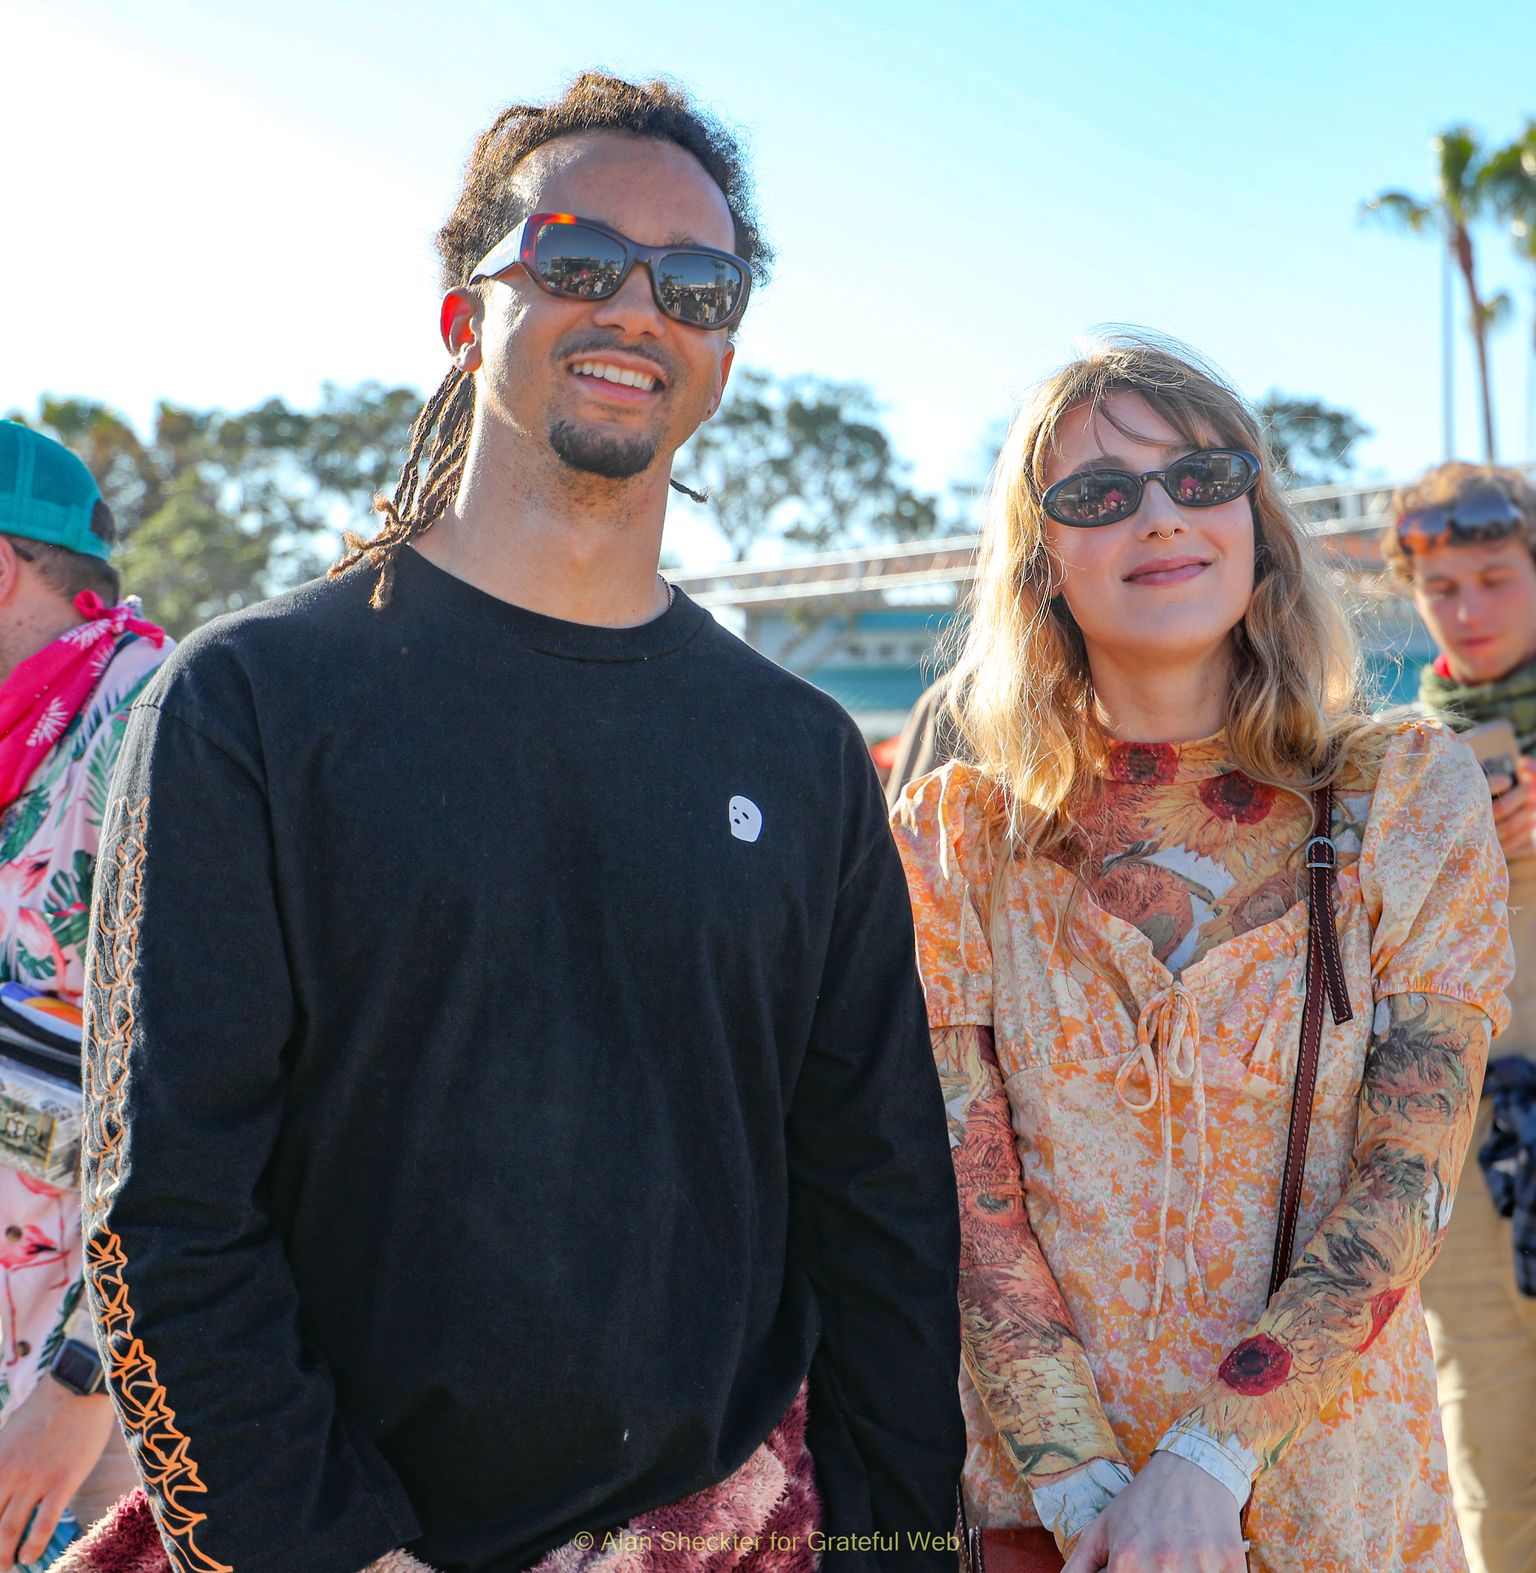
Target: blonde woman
x,y
1112,933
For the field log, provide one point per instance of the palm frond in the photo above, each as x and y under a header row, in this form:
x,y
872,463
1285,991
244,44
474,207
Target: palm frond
x,y
1456,171
1497,311
1400,210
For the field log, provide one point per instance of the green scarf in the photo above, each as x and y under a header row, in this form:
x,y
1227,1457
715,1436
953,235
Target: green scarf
x,y
1512,699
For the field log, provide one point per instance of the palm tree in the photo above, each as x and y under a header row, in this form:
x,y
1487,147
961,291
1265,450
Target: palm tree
x,y
1511,180
1462,195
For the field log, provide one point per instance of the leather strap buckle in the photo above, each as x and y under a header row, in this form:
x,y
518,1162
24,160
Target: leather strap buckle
x,y
1323,859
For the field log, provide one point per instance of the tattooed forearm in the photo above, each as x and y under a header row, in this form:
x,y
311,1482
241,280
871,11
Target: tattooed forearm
x,y
1423,1066
1021,1348
1418,1101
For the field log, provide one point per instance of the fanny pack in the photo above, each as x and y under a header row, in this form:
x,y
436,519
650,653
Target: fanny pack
x,y
40,1103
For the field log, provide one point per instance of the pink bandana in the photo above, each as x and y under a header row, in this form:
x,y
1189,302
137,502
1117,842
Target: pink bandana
x,y
48,690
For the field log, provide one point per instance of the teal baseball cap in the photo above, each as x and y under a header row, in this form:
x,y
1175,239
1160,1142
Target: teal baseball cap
x,y
47,494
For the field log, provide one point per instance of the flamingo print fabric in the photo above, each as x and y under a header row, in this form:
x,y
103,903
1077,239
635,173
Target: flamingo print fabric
x,y
48,841
46,691
1117,1043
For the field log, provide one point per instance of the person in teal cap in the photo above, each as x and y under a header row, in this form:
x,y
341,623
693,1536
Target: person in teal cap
x,y
73,658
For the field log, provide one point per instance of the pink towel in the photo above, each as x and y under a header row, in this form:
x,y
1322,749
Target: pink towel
x,y
124,1541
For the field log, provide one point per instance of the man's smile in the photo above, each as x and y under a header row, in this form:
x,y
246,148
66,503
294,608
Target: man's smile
x,y
615,377
611,373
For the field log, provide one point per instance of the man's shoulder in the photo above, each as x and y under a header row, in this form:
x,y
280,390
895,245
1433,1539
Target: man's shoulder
x,y
317,611
278,647
285,629
769,690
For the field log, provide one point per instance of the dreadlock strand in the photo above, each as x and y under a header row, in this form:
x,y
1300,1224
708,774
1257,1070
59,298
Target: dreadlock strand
x,y
444,476
431,415
439,440
384,589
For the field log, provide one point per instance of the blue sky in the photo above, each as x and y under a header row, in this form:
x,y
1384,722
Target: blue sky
x,y
213,203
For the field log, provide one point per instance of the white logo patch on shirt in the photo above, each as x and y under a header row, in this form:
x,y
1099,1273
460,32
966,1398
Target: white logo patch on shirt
x,y
746,819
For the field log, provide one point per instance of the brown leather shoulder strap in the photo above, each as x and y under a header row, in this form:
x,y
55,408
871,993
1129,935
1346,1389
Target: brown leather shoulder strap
x,y
1325,971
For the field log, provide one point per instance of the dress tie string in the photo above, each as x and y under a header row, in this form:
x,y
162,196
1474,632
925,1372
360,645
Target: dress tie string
x,y
1167,1054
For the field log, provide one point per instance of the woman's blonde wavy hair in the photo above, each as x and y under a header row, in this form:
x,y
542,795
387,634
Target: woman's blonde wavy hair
x,y
1020,690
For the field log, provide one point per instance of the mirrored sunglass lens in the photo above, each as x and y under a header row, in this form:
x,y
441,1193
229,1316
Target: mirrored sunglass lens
x,y
1420,530
1095,498
1205,479
578,261
698,288
1488,513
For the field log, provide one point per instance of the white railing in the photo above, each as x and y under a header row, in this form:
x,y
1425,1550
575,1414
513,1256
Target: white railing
x,y
1325,511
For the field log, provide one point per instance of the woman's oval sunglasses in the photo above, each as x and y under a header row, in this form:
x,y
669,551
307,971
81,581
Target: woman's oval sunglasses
x,y
580,259
1204,479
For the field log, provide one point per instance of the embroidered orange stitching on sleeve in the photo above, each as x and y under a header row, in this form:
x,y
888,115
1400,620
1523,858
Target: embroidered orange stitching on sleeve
x,y
161,1450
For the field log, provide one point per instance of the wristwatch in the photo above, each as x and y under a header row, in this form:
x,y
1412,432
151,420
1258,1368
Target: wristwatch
x,y
77,1366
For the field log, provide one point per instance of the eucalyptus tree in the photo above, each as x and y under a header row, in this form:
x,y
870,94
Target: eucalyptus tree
x,y
805,460
216,508
1311,443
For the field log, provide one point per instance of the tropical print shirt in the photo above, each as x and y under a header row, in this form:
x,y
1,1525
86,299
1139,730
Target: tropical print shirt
x,y
1117,1042
48,842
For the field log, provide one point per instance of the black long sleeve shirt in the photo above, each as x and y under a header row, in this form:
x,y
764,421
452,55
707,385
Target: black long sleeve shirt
x,y
507,1079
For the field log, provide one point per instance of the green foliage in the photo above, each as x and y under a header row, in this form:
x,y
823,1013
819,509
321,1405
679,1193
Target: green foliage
x,y
190,560
98,769
69,901
56,1338
218,509
1511,181
807,460
1309,441
20,822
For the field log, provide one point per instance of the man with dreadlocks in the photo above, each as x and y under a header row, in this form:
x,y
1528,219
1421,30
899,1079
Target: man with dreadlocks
x,y
531,1155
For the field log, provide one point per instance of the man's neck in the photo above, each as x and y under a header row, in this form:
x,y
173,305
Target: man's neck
x,y
578,547
32,629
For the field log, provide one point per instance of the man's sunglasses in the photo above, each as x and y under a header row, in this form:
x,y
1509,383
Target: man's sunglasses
x,y
1205,479
580,259
1482,514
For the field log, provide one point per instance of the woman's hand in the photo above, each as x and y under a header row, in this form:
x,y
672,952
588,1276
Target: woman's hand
x,y
1514,812
1173,1515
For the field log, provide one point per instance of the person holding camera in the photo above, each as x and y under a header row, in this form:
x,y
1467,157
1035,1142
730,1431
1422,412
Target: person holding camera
x,y
1463,545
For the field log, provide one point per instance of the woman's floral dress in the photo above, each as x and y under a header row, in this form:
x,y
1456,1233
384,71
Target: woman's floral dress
x,y
1117,1044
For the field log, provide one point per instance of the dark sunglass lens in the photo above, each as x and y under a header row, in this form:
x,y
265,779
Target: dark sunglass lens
x,y
1204,480
1487,514
574,260
697,288
1098,497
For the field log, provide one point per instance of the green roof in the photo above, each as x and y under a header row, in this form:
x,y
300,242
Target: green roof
x,y
865,688
860,689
